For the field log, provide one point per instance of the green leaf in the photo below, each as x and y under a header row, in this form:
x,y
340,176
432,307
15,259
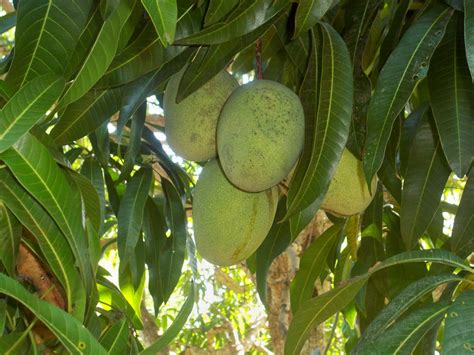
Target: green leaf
x,y
275,243
100,55
86,114
300,220
250,15
399,305
173,251
70,332
410,129
164,14
312,265
326,94
7,22
130,215
52,243
135,141
115,340
404,336
451,93
35,169
45,37
308,13
440,256
218,10
407,65
92,171
462,239
425,178
469,34
174,329
27,107
10,235
458,330
317,310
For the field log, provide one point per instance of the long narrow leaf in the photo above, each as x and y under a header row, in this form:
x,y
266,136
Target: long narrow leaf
x,y
10,235
328,105
164,14
458,330
462,239
406,65
308,13
469,34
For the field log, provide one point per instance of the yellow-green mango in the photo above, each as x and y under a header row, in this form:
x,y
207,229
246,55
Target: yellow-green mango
x,y
229,224
260,134
190,126
348,192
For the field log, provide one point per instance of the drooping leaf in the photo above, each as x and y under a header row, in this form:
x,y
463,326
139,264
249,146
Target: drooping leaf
x,y
308,13
27,107
300,220
70,332
10,235
164,14
312,265
458,330
248,16
462,239
399,305
218,10
317,310
51,241
130,215
92,171
327,102
173,251
7,21
451,93
46,34
277,240
407,138
425,178
35,169
174,329
100,55
115,340
404,335
134,142
86,114
407,64
469,34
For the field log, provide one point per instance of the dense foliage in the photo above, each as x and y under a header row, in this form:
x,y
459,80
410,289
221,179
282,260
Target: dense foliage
x,y
86,175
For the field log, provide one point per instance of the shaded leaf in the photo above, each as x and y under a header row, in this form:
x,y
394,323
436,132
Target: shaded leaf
x,y
46,34
218,10
27,107
308,13
100,55
10,235
317,310
458,330
275,243
451,93
469,34
312,265
407,64
462,239
115,340
92,171
327,103
130,215
425,178
164,14
300,220
7,21
70,332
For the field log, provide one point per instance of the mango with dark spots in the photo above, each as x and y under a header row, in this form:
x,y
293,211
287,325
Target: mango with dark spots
x,y
348,193
229,224
260,134
191,125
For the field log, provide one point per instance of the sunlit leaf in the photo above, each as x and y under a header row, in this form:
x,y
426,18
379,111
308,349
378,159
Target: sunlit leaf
x,y
70,332
164,14
407,65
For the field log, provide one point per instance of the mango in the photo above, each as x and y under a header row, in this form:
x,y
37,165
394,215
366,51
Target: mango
x,y
348,193
260,134
190,126
229,224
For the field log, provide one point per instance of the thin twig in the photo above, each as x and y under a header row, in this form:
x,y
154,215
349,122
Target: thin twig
x,y
258,59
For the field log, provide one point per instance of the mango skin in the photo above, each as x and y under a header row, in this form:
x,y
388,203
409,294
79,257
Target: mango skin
x,y
191,125
229,224
348,193
260,134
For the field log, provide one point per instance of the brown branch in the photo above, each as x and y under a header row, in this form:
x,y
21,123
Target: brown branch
x,y
258,59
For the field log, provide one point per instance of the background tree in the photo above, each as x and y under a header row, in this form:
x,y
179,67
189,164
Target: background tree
x,y
96,246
